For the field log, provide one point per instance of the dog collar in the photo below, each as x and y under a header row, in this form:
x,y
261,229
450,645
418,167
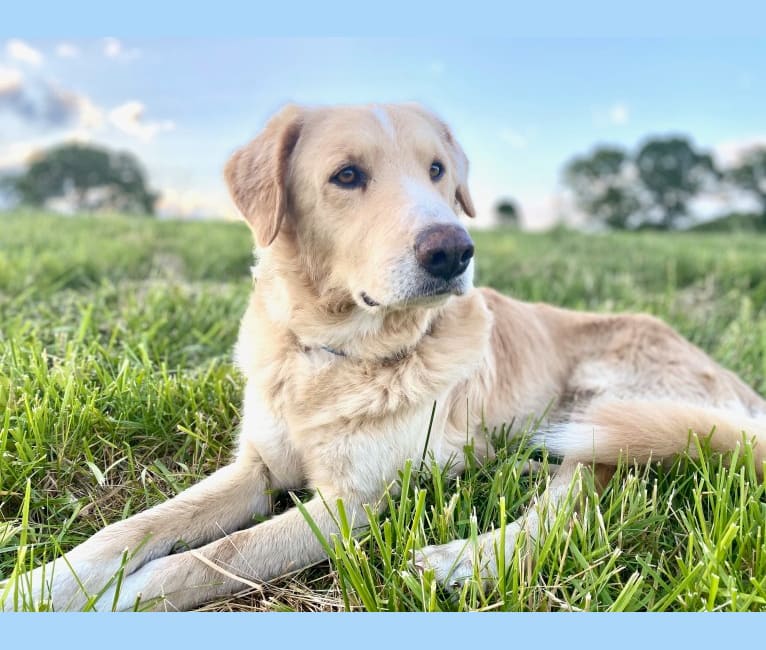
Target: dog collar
x,y
337,353
394,358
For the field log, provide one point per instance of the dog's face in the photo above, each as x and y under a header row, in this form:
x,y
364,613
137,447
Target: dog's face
x,y
369,194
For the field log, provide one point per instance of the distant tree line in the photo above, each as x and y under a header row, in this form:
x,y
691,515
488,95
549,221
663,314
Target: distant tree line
x,y
655,185
87,178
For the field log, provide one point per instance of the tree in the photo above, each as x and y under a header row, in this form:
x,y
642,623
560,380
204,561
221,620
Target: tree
x,y
602,186
673,172
90,178
750,176
508,213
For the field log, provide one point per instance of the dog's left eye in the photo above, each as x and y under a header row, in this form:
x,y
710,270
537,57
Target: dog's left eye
x,y
349,178
436,171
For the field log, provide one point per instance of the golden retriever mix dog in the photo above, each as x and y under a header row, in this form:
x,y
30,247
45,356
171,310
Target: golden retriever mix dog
x,y
362,316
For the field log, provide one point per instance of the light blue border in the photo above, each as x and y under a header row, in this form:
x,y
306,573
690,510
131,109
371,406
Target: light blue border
x,y
454,18
581,18
385,631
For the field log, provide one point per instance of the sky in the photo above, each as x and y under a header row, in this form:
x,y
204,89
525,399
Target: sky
x,y
521,108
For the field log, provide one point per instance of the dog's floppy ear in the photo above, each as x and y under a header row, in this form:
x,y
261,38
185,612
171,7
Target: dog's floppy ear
x,y
257,173
462,195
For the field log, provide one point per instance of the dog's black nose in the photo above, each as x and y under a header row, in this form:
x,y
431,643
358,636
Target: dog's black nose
x,y
444,250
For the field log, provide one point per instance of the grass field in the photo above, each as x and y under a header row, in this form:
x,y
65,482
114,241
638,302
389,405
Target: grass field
x,y
117,391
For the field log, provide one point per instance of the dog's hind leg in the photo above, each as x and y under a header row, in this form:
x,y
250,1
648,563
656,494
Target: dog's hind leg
x,y
456,562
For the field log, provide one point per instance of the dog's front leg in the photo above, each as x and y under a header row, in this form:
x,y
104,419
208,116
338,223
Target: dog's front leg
x,y
225,501
274,548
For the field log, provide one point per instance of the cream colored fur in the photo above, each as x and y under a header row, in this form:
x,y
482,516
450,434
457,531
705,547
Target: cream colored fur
x,y
346,345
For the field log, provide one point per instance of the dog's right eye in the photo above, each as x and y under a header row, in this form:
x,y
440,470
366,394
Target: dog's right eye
x,y
349,178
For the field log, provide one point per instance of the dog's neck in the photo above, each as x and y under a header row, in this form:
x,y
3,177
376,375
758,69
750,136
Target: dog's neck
x,y
330,320
355,333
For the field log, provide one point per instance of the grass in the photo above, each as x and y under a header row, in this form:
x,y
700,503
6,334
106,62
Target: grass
x,y
117,391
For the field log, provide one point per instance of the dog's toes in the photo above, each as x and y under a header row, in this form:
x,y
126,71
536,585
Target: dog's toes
x,y
451,563
418,562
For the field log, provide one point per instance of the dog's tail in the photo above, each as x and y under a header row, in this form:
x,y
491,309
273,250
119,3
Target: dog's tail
x,y
643,431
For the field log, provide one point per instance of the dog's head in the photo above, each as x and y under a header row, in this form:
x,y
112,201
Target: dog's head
x,y
368,195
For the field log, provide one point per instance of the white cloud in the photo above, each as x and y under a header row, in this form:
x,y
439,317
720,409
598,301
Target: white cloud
x,y
67,51
619,114
90,115
114,49
515,139
128,118
730,152
20,51
10,80
35,102
16,155
32,105
194,204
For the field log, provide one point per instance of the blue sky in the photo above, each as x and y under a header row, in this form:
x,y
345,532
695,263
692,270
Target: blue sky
x,y
520,107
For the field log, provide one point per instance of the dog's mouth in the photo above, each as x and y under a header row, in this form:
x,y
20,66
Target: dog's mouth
x,y
367,300
437,292
434,288
431,292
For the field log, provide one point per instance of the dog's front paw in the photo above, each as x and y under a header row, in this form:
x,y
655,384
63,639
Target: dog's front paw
x,y
175,582
58,586
69,583
72,582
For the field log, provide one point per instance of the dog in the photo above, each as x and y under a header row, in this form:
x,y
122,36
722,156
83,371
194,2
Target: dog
x,y
363,315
